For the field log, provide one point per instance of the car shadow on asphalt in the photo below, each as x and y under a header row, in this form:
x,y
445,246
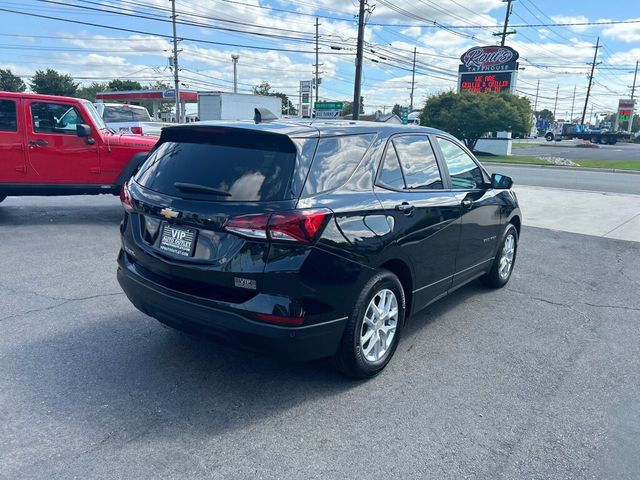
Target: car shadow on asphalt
x,y
128,374
22,215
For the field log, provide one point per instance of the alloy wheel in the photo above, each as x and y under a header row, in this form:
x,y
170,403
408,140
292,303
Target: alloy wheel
x,y
379,326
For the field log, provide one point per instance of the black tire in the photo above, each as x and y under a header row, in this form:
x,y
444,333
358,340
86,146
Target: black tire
x,y
613,141
593,139
350,358
2,197
549,137
493,278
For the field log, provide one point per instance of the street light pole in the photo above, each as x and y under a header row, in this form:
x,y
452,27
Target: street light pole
x,y
234,59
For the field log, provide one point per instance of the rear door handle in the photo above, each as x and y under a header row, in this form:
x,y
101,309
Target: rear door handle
x,y
405,208
38,143
467,203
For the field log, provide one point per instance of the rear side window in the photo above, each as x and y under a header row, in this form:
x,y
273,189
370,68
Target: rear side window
x,y
249,166
391,174
55,118
125,113
336,159
418,162
8,118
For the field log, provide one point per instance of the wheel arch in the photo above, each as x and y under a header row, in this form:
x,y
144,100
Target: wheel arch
x,y
401,270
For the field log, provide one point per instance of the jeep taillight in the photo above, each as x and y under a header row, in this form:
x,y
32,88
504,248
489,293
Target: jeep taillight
x,y
136,130
125,198
301,226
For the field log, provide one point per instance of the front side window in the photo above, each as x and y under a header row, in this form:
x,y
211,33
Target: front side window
x,y
8,117
464,172
336,159
55,118
418,162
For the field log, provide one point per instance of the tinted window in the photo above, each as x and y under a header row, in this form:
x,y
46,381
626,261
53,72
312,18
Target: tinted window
x,y
418,162
336,159
125,113
464,172
8,120
250,169
391,175
55,118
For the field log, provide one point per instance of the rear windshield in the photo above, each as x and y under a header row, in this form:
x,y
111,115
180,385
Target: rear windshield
x,y
125,113
250,167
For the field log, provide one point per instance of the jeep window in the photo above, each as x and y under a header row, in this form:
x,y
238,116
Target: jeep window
x,y
55,118
251,167
8,117
336,159
418,162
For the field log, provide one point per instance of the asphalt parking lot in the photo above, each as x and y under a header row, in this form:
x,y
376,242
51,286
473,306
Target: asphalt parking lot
x,y
539,380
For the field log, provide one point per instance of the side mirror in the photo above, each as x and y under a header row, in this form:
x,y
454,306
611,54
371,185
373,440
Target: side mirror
x,y
83,130
501,182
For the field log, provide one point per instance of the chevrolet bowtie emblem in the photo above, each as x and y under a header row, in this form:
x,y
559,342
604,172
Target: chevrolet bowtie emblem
x,y
169,213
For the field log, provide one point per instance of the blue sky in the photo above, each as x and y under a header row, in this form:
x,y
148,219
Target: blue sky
x,y
275,41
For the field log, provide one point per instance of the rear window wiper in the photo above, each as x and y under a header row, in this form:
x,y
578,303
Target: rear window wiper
x,y
195,188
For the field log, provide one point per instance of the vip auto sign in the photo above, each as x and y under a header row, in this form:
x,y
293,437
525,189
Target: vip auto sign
x,y
488,69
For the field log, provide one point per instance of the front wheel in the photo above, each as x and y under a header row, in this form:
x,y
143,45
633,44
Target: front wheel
x,y
504,260
549,137
373,330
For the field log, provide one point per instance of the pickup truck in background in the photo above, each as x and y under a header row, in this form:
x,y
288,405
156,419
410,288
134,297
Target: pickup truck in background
x,y
124,118
53,145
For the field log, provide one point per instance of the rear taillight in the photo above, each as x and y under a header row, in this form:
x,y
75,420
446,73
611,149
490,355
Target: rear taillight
x,y
302,226
280,320
125,198
136,130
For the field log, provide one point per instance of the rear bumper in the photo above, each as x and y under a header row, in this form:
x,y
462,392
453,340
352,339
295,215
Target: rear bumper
x,y
307,342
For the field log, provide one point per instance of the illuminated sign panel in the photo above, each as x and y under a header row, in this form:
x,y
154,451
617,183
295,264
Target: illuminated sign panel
x,y
486,82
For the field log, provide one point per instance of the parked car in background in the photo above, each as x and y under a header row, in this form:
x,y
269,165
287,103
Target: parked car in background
x,y
133,119
318,240
53,145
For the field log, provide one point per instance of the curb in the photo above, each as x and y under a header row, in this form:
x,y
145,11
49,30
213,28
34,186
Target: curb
x,y
562,167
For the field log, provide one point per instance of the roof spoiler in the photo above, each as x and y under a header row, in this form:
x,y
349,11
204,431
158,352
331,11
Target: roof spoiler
x,y
263,115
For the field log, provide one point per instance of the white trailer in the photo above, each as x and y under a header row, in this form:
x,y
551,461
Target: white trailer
x,y
235,106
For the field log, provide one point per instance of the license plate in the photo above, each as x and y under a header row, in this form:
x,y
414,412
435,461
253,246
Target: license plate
x,y
178,240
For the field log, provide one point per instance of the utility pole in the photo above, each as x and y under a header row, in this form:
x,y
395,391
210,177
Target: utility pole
x,y
535,106
234,59
359,57
506,23
413,79
573,102
633,91
593,66
555,105
317,63
176,78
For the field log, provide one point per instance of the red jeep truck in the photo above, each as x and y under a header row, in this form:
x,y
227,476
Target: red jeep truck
x,y
53,145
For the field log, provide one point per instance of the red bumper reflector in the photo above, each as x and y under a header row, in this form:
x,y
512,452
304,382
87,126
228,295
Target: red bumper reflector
x,y
280,320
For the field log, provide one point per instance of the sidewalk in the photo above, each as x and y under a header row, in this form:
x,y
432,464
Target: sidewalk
x,y
601,214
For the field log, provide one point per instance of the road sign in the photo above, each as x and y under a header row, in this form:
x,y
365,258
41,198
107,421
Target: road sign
x,y
328,114
329,106
405,115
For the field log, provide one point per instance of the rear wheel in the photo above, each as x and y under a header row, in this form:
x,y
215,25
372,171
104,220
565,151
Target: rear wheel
x,y
504,260
603,140
613,140
373,330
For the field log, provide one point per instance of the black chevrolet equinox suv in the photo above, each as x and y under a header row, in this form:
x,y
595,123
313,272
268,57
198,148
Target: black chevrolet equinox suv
x,y
310,240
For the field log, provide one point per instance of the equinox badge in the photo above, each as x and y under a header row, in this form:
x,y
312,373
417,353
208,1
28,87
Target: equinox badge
x,y
169,213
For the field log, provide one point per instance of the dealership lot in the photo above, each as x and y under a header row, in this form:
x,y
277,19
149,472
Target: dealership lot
x,y
538,380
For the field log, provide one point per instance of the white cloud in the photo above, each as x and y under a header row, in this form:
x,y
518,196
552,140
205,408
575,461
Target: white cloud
x,y
626,32
572,19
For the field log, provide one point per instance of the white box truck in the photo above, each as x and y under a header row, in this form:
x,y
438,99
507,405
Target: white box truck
x,y
234,106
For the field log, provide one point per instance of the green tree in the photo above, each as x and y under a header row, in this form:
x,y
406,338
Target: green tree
x,y
10,82
635,126
88,92
287,106
468,115
118,85
545,114
397,110
50,82
347,109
